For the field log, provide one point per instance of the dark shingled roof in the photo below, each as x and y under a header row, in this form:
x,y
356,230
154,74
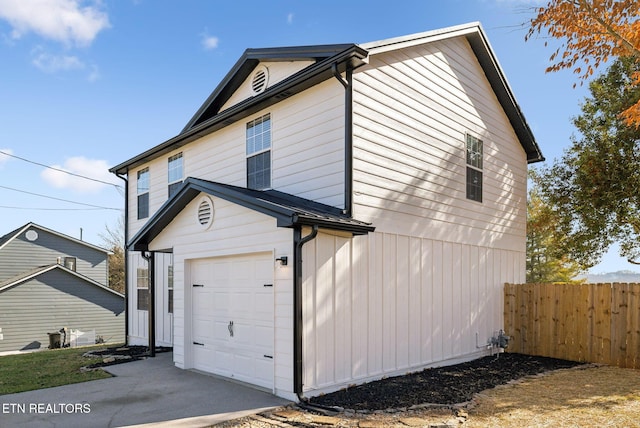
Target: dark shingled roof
x,y
288,210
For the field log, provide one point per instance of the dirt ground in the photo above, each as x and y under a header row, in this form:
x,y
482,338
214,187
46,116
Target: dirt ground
x,y
582,396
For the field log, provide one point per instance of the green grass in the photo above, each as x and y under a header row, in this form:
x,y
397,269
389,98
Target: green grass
x,y
45,369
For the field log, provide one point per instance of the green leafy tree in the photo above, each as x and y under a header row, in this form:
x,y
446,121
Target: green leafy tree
x,y
546,261
595,187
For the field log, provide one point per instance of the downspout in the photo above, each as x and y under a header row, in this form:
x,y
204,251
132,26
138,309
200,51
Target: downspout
x,y
348,135
150,256
126,258
298,242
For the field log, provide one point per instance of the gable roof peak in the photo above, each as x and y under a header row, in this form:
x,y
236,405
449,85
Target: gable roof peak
x,y
4,240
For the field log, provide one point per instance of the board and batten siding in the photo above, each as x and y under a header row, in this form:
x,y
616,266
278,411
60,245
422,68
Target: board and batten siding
x,y
412,109
53,300
307,146
384,304
20,255
236,230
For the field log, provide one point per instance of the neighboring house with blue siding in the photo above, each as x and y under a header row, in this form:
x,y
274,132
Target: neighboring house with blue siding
x,y
334,214
49,281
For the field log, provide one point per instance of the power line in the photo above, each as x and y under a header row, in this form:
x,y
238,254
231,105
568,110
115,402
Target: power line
x,y
52,209
117,186
59,199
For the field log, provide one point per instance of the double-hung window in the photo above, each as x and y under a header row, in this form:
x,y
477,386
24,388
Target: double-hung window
x,y
259,153
142,287
474,168
175,172
143,193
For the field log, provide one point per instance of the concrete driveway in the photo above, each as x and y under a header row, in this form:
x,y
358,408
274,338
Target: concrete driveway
x,y
151,392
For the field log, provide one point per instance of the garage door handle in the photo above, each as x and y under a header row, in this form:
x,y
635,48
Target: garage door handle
x,y
230,327
198,343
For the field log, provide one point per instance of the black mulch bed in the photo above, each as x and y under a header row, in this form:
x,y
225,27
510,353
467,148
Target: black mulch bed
x,y
119,355
442,385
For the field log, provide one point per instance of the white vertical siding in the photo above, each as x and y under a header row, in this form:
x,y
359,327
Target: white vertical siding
x,y
385,304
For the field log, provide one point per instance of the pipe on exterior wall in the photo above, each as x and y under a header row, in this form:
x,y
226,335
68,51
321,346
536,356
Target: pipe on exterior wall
x,y
150,256
126,257
348,135
298,242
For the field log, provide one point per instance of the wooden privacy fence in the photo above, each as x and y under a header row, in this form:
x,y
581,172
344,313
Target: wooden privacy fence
x,y
598,323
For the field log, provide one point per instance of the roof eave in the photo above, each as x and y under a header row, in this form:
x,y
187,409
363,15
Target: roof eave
x,y
192,187
498,81
304,79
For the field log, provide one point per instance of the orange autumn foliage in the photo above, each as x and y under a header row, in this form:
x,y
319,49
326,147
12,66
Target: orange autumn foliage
x,y
593,31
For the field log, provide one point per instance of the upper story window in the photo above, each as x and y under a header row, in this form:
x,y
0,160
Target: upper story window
x,y
474,168
143,193
259,153
175,173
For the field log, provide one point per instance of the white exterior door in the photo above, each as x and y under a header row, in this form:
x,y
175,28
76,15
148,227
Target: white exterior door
x,y
233,317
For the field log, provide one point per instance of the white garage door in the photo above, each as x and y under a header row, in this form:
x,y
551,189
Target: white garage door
x,y
233,317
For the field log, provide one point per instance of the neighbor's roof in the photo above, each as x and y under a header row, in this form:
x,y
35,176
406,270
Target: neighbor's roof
x,y
209,118
4,240
33,273
288,210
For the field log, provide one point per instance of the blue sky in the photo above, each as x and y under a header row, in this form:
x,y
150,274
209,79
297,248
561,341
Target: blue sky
x,y
85,85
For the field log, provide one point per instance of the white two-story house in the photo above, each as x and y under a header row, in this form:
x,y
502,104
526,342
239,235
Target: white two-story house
x,y
334,214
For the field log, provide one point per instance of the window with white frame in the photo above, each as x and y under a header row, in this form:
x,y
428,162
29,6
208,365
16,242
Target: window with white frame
x,y
175,171
170,289
474,168
143,193
142,287
259,153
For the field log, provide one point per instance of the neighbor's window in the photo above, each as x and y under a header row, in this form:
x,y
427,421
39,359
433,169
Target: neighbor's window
x,y
70,263
143,193
474,168
259,153
175,173
170,289
142,285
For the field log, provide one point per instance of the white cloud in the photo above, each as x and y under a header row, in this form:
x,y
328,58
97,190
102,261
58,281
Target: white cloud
x,y
93,168
290,18
50,63
68,21
209,42
4,158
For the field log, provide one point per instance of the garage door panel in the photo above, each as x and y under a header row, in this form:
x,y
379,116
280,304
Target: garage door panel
x,y
264,338
203,358
235,291
223,362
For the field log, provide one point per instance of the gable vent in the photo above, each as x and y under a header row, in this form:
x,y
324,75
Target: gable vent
x,y
205,212
260,80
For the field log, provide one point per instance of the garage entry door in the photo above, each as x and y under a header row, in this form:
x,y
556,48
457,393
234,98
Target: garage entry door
x,y
233,317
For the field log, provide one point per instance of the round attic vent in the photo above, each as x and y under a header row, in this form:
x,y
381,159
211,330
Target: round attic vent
x,y
259,80
31,235
205,212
